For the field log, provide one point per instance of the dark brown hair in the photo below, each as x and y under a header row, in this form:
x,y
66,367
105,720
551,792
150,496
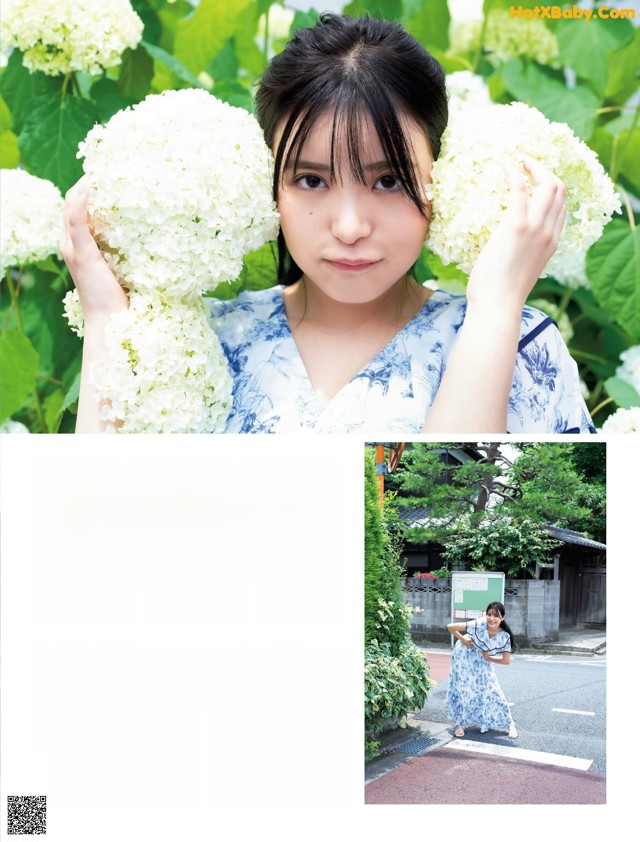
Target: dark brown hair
x,y
356,68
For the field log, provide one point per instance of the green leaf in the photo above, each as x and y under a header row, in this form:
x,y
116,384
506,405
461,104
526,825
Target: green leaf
x,y
622,392
171,62
540,87
235,94
9,152
627,158
385,9
149,16
260,268
71,397
19,366
431,24
6,120
136,73
623,72
585,48
304,20
108,99
201,36
613,267
52,414
54,126
19,87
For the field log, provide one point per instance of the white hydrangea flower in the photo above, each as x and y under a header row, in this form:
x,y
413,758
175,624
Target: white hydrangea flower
x,y
280,20
182,191
73,312
164,371
630,368
469,190
623,421
505,37
61,36
11,427
30,218
466,90
570,269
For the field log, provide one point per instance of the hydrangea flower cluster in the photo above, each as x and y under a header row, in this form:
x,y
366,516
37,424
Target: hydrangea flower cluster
x,y
184,191
60,36
466,90
181,191
630,368
623,421
165,371
469,192
30,218
506,37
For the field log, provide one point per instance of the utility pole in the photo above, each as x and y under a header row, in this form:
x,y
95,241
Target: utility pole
x,y
386,466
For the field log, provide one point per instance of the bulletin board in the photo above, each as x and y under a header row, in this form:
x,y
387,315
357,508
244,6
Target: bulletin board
x,y
472,592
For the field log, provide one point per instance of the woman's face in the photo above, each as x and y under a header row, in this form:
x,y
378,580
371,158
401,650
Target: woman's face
x,y
494,618
354,241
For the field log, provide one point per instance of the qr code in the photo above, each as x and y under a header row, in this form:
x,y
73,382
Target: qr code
x,y
27,814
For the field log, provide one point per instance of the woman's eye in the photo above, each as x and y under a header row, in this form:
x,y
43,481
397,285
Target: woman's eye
x,y
310,182
387,182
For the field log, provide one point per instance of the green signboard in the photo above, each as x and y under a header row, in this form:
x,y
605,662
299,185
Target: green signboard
x,y
472,592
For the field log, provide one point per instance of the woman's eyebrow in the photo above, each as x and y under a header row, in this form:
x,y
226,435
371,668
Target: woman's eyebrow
x,y
314,165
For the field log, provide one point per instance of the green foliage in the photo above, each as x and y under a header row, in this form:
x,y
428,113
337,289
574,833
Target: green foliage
x,y
492,512
393,684
371,748
373,548
396,674
499,543
215,46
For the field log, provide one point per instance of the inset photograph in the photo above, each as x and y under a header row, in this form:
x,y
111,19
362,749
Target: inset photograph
x,y
485,622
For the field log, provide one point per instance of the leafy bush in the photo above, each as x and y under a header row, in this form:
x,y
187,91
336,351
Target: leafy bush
x,y
582,75
505,543
393,684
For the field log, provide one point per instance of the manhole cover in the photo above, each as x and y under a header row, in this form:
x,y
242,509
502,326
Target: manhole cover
x,y
417,745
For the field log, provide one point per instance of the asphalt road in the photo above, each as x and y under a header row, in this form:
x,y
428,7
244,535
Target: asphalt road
x,y
558,703
541,688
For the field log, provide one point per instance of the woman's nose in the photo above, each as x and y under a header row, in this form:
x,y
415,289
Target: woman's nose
x,y
351,220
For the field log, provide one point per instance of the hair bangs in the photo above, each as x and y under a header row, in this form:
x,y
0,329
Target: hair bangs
x,y
354,114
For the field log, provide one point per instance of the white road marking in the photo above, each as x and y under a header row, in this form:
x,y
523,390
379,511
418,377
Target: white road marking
x,y
579,712
507,752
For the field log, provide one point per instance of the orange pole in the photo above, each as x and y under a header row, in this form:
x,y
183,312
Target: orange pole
x,y
380,472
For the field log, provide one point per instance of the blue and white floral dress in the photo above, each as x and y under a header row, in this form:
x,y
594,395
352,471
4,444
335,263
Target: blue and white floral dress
x,y
393,393
474,696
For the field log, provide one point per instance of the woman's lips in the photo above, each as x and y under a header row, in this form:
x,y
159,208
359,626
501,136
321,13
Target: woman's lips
x,y
352,265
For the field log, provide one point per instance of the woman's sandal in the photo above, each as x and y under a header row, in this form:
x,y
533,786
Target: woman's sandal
x,y
513,732
459,732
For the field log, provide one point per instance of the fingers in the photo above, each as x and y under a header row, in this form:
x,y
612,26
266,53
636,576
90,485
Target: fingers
x,y
547,201
77,243
542,213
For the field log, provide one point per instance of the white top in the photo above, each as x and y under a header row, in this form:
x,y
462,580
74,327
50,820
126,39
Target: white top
x,y
392,394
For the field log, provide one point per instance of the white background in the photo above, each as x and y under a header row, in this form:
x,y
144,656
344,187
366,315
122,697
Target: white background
x,y
182,637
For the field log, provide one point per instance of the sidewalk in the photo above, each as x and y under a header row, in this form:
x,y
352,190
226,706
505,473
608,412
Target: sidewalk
x,y
575,641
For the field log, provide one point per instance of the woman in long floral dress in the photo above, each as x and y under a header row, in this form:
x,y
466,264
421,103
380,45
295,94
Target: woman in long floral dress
x,y
474,695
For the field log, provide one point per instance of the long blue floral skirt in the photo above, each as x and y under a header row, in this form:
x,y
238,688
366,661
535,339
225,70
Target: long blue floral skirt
x,y
474,695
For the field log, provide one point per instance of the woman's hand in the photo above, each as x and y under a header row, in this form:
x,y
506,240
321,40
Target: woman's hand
x,y
468,642
474,392
101,296
100,293
516,253
486,656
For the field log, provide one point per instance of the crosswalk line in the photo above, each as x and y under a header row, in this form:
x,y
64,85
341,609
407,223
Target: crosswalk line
x,y
566,761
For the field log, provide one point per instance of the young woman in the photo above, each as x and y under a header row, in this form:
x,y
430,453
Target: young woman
x,y
348,341
474,695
